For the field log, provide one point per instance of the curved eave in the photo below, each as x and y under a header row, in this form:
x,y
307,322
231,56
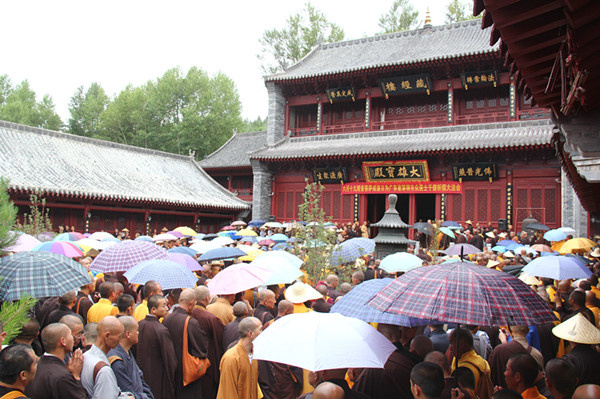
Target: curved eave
x,y
365,154
122,198
388,65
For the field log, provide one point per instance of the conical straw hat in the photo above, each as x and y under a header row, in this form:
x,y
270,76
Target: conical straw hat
x,y
300,292
577,329
529,280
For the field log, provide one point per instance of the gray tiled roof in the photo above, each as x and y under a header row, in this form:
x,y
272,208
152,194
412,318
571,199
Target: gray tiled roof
x,y
449,138
54,162
436,43
234,153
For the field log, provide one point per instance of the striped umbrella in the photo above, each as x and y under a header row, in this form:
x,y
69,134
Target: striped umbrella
x,y
65,248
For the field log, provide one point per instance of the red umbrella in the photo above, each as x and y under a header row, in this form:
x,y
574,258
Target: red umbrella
x,y
266,242
463,293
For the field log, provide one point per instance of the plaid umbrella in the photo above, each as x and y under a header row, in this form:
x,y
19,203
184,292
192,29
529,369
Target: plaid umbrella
x,y
65,248
351,249
123,256
463,293
40,274
354,304
167,273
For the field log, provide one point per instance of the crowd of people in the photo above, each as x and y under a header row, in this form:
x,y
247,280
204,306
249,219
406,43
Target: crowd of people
x,y
112,339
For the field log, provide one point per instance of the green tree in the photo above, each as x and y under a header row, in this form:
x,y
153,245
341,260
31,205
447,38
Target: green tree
x,y
314,240
8,215
127,118
401,16
283,48
458,10
19,105
38,219
86,110
257,125
14,315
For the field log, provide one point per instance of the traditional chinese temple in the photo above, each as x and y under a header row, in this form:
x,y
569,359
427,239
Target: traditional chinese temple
x,y
98,185
552,51
432,115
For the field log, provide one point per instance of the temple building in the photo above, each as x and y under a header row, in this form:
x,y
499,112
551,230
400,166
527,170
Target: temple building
x,y
432,115
97,185
552,50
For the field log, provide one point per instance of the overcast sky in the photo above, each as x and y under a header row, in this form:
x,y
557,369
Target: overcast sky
x,y
60,45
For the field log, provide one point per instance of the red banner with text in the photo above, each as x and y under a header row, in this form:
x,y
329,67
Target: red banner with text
x,y
447,187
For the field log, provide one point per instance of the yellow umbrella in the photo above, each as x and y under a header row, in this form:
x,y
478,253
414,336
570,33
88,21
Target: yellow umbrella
x,y
186,231
579,244
250,256
246,232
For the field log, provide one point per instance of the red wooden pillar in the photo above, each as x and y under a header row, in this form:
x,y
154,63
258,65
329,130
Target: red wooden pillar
x,y
412,214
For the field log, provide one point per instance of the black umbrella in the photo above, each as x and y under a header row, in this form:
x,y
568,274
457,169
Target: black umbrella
x,y
537,226
423,227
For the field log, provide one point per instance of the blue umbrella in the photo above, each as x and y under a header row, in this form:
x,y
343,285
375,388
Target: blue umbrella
x,y
555,235
256,222
222,253
114,239
144,238
167,273
282,246
251,239
450,223
40,274
513,246
351,249
354,304
183,250
499,248
505,243
557,268
279,237
549,254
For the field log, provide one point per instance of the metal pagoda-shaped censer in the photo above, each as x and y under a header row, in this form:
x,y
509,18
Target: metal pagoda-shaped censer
x,y
392,231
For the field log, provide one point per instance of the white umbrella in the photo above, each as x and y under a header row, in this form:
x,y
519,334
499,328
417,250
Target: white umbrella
x,y
222,241
400,262
203,246
97,245
165,237
100,235
568,230
276,258
329,341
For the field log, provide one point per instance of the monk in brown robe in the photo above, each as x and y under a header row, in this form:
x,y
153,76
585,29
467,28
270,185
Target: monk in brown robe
x,y
155,350
213,328
197,342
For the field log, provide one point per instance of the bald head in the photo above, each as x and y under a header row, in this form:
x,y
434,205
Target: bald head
x,y
390,331
441,360
587,391
421,345
109,324
328,390
590,298
188,295
73,321
202,294
285,307
240,309
129,323
52,334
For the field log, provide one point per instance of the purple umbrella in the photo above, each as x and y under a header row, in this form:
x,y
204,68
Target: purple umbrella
x,y
175,233
184,260
124,255
557,268
462,249
24,242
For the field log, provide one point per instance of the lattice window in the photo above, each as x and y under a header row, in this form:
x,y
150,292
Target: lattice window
x,y
443,107
410,110
390,111
140,226
399,110
504,102
432,107
347,209
469,204
492,102
109,223
535,201
550,205
289,206
336,205
456,208
326,203
482,205
421,108
522,198
281,205
95,223
299,200
480,103
495,205
469,104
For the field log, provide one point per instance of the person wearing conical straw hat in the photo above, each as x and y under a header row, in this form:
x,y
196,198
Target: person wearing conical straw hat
x,y
300,292
582,335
